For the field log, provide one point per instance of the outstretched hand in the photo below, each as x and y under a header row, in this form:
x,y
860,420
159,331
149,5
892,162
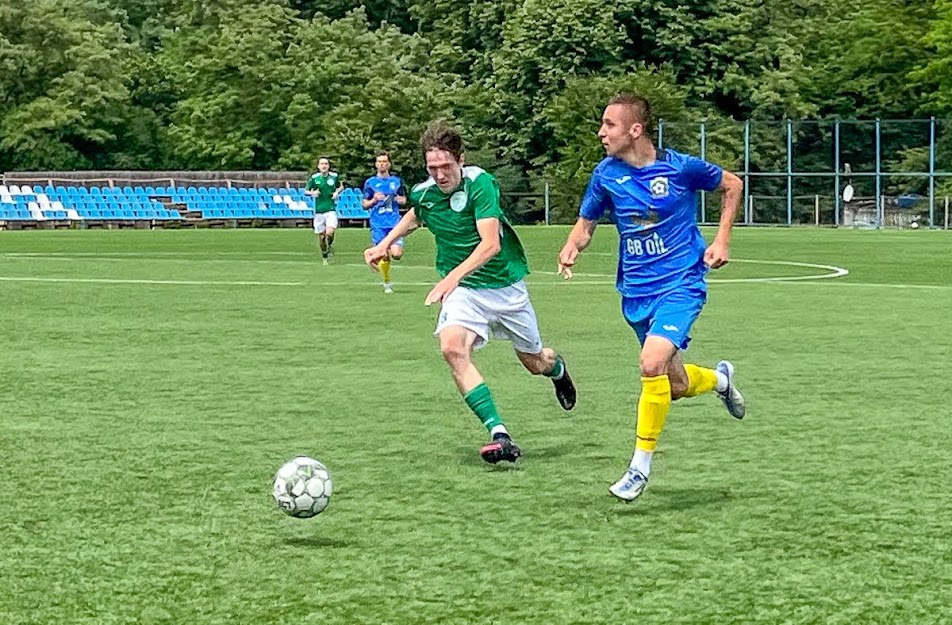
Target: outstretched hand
x,y
373,256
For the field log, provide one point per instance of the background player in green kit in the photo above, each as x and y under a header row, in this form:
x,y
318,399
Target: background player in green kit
x,y
482,292
324,186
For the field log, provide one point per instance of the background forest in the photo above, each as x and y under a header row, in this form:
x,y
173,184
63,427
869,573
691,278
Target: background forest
x,y
271,84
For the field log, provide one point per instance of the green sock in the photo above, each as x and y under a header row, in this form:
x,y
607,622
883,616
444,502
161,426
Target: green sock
x,y
557,370
480,401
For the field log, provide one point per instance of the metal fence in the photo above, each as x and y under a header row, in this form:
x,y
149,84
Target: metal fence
x,y
862,173
854,173
898,172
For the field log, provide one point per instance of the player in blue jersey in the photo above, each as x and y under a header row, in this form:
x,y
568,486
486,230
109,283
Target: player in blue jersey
x,y
650,196
384,194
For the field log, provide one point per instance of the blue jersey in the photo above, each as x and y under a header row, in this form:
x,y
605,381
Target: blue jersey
x,y
654,209
385,213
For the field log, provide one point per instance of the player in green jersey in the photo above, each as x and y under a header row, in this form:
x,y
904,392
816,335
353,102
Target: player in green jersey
x,y
324,186
482,292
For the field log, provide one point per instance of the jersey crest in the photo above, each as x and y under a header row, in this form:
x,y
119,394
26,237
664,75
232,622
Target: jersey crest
x,y
659,187
458,201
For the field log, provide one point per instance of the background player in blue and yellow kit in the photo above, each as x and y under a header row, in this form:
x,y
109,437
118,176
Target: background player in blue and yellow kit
x,y
649,194
384,194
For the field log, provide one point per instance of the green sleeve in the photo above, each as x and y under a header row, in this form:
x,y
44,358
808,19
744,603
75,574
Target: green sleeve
x,y
414,201
484,196
310,186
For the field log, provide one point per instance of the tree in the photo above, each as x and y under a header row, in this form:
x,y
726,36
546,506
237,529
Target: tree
x,y
64,84
545,44
574,116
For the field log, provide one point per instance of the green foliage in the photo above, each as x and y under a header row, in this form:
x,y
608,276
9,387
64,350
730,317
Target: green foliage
x,y
64,84
574,115
348,106
545,44
865,61
935,69
266,84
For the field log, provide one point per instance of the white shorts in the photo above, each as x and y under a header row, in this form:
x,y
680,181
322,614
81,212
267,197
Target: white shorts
x,y
504,313
323,221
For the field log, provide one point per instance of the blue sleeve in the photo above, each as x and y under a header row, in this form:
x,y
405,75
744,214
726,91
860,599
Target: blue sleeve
x,y
368,190
700,175
596,199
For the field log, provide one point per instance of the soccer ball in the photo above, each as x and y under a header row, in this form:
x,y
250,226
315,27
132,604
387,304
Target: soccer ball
x,y
914,225
302,487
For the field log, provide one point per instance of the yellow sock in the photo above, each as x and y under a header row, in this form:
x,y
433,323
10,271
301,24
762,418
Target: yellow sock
x,y
385,270
700,380
652,410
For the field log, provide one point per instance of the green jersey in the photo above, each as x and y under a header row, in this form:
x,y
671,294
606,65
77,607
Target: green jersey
x,y
325,186
451,217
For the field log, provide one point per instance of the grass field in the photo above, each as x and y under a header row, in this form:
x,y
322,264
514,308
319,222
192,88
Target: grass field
x,y
152,382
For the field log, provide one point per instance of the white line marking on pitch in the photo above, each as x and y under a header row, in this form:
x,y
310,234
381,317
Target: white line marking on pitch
x,y
134,281
833,272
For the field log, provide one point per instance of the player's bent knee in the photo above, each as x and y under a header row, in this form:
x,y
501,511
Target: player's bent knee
x,y
454,352
653,367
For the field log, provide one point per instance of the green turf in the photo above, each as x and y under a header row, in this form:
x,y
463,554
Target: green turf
x,y
142,422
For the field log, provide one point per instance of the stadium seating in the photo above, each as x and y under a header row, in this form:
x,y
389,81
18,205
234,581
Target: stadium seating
x,y
24,202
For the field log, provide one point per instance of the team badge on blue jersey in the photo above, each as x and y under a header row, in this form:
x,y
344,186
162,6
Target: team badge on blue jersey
x,y
659,187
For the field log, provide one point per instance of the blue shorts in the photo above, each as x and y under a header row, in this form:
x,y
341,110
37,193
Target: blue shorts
x,y
670,314
378,234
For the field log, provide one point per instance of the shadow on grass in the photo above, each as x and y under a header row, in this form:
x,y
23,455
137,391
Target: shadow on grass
x,y
541,454
674,499
468,457
311,542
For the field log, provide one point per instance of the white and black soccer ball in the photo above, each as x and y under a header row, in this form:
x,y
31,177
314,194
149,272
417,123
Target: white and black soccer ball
x,y
302,487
